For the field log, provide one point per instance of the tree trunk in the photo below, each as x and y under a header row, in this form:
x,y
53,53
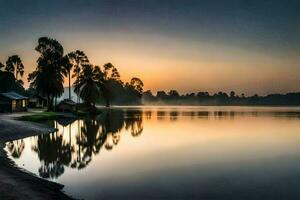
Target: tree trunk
x,y
107,102
48,102
50,105
69,85
77,94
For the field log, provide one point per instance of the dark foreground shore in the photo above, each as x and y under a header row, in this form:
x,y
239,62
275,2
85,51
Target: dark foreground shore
x,y
14,182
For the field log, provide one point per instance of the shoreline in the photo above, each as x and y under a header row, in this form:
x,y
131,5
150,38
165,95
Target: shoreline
x,y
17,183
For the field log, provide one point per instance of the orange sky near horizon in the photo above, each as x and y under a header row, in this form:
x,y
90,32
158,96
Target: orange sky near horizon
x,y
165,63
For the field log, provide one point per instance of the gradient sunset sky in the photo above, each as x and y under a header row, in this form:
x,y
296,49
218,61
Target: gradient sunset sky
x,y
250,46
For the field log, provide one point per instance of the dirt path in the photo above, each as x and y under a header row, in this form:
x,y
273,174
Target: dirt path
x,y
15,183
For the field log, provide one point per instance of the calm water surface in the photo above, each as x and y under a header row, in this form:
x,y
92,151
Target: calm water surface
x,y
171,153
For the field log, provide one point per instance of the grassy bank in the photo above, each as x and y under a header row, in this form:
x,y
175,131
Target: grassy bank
x,y
43,116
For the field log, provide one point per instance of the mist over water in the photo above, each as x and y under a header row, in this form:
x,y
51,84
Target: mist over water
x,y
171,153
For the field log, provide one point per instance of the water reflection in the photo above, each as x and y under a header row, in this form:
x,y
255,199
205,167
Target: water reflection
x,y
16,148
174,147
56,152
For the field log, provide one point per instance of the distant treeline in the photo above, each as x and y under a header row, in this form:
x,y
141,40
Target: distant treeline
x,y
220,98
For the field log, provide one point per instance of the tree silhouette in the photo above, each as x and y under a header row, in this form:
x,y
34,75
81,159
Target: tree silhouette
x,y
48,79
232,94
14,65
110,72
77,59
220,98
67,71
111,83
137,85
88,84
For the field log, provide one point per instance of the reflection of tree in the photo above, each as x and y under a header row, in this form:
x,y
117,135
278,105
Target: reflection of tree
x,y
160,115
96,133
89,143
148,115
54,154
105,131
16,148
173,115
112,124
134,122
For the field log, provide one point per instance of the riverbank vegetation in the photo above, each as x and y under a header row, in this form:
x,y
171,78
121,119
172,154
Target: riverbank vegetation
x,y
220,98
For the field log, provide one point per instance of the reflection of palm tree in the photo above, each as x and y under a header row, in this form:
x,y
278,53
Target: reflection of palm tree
x,y
134,122
112,124
112,139
89,142
16,148
54,154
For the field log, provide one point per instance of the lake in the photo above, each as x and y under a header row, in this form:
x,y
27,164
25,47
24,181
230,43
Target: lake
x,y
171,153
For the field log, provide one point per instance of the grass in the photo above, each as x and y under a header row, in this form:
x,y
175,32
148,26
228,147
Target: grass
x,y
83,110
43,116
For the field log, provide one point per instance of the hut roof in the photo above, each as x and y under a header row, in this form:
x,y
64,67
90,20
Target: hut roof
x,y
37,96
67,102
13,96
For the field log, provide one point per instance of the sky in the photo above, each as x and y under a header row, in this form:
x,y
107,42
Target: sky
x,y
249,46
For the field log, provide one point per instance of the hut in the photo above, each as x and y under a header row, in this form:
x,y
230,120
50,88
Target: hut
x,y
13,102
37,101
66,105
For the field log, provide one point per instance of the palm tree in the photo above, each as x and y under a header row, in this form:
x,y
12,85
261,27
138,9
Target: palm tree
x,y
67,71
77,59
88,84
14,65
48,77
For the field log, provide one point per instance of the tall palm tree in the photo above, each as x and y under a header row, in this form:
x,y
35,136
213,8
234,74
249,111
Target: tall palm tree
x,y
48,77
88,84
14,65
77,59
67,71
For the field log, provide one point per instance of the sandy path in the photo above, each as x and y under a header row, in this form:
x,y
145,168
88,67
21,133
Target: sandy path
x,y
15,183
